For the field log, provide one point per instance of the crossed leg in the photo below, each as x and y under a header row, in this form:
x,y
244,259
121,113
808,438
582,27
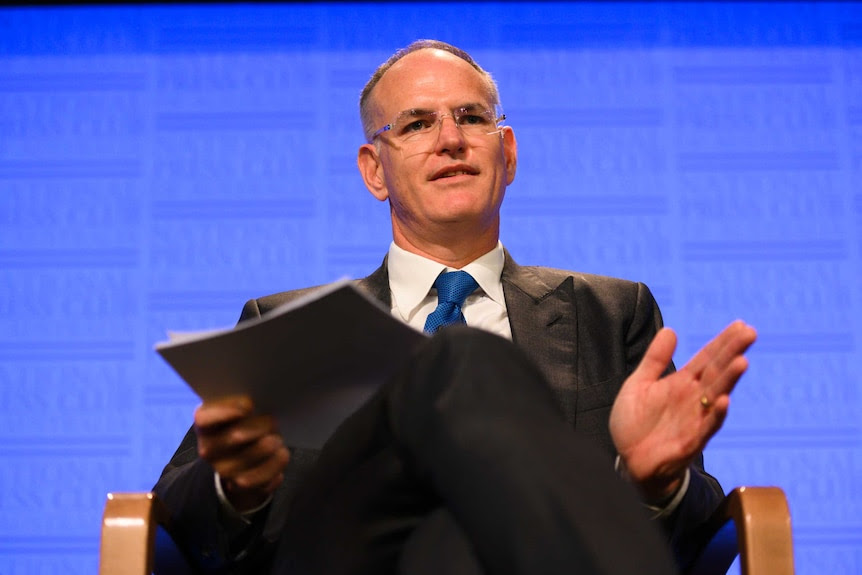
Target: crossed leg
x,y
463,464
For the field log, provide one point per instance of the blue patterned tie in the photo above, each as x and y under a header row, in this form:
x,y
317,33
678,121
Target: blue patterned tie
x,y
452,289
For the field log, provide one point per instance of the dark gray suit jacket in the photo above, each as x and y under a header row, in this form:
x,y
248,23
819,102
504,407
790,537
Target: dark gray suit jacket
x,y
586,333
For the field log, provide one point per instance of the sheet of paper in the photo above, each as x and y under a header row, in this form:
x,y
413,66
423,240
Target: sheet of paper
x,y
311,362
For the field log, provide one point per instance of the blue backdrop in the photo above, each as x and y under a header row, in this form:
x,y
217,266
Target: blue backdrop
x,y
161,165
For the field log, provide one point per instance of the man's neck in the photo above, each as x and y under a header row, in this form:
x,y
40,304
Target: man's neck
x,y
453,244
453,252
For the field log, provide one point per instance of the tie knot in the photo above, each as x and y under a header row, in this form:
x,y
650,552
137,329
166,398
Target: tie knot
x,y
454,287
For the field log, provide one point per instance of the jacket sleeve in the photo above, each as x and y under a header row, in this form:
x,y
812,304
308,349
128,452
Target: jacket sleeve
x,y
211,542
704,494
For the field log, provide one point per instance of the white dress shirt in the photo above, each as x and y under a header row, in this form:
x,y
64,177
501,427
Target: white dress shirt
x,y
411,278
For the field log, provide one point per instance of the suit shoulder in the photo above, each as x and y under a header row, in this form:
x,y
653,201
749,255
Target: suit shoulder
x,y
272,301
595,291
585,280
259,306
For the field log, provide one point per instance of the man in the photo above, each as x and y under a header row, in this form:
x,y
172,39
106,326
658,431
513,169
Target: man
x,y
437,153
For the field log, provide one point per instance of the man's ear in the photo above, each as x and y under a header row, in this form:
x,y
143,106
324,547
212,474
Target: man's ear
x,y
371,170
510,153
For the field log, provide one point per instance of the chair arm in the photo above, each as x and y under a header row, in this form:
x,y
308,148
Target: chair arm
x,y
129,533
755,522
751,521
134,525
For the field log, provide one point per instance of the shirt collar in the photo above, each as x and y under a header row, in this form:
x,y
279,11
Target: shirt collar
x,y
411,276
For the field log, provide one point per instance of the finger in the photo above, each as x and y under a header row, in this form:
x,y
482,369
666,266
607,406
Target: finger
x,y
265,476
715,416
657,357
739,338
223,441
697,364
724,381
730,342
241,430
223,411
249,456
722,373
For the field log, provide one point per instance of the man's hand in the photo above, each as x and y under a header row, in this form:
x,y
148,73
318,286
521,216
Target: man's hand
x,y
245,449
658,425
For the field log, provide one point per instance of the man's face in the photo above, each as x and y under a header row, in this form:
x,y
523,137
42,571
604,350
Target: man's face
x,y
450,178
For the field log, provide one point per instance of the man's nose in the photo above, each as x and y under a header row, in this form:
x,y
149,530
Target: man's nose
x,y
450,137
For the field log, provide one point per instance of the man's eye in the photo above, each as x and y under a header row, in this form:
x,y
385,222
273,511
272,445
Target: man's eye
x,y
473,120
417,125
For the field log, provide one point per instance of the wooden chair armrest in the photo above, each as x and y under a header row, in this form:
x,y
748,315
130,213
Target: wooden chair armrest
x,y
755,522
129,533
133,526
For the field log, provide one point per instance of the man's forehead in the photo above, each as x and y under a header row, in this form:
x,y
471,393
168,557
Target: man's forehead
x,y
419,78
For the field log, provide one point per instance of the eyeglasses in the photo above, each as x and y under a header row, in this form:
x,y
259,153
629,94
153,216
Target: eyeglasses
x,y
417,125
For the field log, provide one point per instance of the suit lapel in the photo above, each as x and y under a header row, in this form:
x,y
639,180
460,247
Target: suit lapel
x,y
377,284
544,324
543,321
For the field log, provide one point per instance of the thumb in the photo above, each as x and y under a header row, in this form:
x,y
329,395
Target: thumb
x,y
657,357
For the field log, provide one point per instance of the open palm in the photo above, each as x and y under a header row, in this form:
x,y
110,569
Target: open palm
x,y
658,424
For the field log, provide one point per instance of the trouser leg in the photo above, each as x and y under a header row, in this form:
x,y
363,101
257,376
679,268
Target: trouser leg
x,y
481,427
471,428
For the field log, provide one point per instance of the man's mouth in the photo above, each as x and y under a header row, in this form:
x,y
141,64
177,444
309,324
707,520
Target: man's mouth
x,y
454,171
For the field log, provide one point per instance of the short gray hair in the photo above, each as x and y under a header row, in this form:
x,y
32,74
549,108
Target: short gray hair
x,y
365,96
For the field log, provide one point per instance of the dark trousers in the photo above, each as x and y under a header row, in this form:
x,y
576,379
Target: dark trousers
x,y
463,464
